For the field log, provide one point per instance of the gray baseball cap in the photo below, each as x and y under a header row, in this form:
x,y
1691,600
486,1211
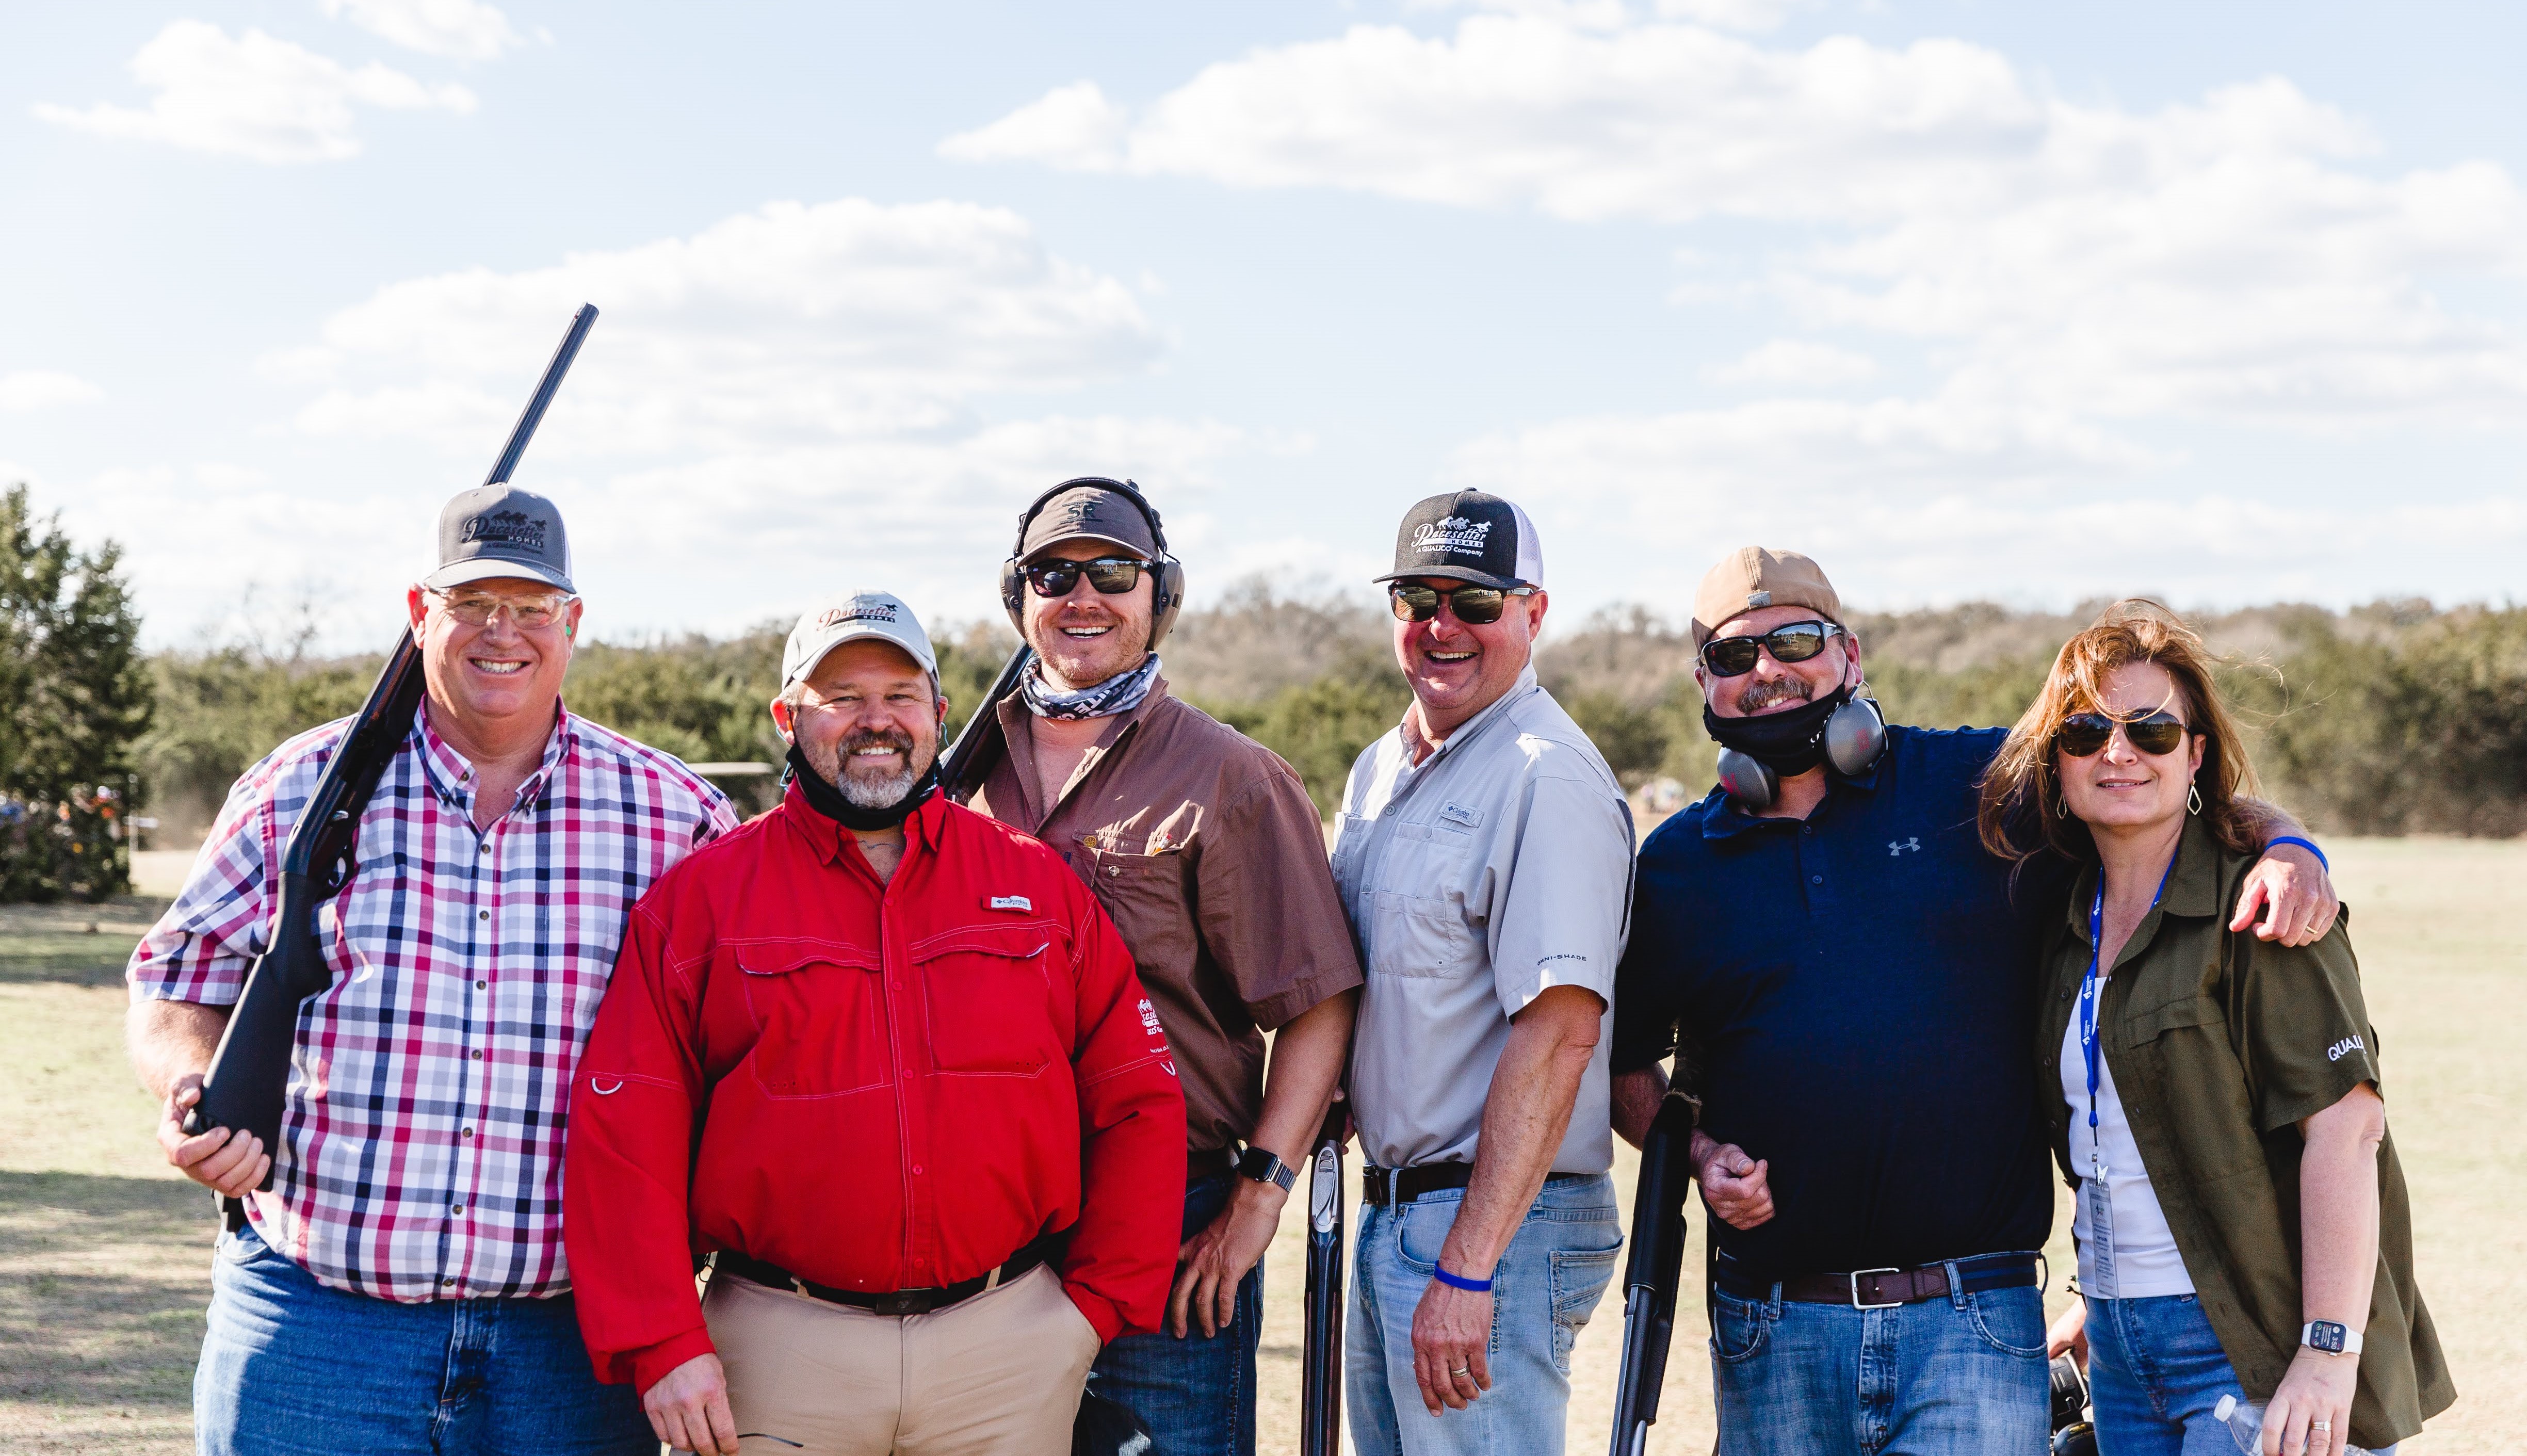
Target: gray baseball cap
x,y
493,531
853,614
1093,512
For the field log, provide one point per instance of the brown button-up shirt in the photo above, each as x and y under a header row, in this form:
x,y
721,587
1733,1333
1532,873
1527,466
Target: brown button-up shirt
x,y
1205,849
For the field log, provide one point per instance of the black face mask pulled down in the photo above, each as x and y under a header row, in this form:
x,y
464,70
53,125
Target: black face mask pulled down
x,y
1787,743
828,801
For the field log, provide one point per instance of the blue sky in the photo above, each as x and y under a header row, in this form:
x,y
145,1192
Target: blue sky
x,y
2031,303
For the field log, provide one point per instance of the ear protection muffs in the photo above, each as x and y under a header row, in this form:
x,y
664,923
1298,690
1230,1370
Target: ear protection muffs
x,y
1855,738
1166,595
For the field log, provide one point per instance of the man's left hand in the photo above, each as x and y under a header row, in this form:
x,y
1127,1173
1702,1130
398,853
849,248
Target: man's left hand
x,y
1215,1261
2294,884
1452,1329
2317,1386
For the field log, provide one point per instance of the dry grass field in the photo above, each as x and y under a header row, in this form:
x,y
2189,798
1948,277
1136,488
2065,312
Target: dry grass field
x,y
104,1256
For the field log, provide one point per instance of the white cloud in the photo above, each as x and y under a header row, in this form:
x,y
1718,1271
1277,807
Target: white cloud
x,y
28,391
254,97
2232,258
1796,363
465,29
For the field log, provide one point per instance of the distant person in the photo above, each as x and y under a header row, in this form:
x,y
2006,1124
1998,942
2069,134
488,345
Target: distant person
x,y
1486,857
1855,977
885,1063
2238,1074
401,1287
1205,848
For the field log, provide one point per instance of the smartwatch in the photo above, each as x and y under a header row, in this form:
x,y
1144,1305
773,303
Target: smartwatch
x,y
2330,1337
1266,1166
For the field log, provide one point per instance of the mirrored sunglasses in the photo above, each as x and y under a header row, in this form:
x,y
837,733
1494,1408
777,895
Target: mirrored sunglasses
x,y
1474,605
1112,576
2083,733
1792,641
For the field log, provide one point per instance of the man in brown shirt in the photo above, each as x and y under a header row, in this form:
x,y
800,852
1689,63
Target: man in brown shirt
x,y
1205,849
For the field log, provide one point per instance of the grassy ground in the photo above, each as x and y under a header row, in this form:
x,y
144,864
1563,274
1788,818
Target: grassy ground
x,y
104,1257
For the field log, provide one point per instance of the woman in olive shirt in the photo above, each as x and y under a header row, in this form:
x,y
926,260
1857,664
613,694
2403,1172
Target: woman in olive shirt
x,y
2214,1097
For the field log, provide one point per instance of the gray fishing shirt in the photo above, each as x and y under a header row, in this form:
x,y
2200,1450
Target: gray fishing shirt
x,y
1499,866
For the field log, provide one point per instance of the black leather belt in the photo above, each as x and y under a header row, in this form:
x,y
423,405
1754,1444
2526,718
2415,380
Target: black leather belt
x,y
1885,1288
1380,1187
1043,1250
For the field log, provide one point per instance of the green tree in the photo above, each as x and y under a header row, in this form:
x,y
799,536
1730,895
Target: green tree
x,y
73,697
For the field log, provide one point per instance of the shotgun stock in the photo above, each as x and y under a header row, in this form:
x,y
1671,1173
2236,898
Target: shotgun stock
x,y
971,758
1651,1274
249,1073
1321,1356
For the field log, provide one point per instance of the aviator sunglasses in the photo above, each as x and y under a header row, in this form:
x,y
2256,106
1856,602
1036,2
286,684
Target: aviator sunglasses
x,y
1112,576
1792,641
1474,605
2083,733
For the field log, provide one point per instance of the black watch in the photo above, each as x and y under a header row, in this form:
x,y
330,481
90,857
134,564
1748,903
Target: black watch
x,y
1266,1166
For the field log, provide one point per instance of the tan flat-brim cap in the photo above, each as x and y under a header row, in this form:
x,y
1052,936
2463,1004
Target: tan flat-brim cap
x,y
1752,578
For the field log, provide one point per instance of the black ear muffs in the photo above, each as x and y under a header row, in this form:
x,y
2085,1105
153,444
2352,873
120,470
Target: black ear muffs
x,y
1168,583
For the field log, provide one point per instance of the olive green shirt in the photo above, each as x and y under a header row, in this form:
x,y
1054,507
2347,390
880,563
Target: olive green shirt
x,y
2220,1044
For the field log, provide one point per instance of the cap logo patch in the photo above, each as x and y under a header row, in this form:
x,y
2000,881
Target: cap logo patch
x,y
1759,598
1078,512
1455,534
869,612
506,528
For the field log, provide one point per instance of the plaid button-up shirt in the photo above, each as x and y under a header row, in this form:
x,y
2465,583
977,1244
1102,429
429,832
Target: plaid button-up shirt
x,y
422,1135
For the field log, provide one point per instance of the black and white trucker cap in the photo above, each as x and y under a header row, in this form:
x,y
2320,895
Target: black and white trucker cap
x,y
1468,535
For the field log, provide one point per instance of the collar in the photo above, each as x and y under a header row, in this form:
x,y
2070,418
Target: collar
x,y
1727,820
826,837
1017,725
450,774
1472,726
2193,884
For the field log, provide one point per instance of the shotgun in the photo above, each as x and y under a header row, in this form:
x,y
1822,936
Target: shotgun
x,y
250,1073
1651,1273
1321,1356
978,747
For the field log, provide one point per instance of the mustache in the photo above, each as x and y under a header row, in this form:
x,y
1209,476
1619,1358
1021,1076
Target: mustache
x,y
1757,697
876,738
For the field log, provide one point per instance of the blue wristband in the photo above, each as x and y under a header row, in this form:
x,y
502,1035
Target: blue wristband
x,y
1478,1286
2309,844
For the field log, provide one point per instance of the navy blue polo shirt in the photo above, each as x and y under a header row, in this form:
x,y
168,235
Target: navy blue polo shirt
x,y
1856,995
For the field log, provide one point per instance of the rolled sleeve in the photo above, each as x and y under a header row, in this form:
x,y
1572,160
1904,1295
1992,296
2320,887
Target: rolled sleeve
x,y
1270,915
1563,905
2306,1039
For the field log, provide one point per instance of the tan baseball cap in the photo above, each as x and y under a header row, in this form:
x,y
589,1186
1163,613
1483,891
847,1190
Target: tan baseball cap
x,y
1751,578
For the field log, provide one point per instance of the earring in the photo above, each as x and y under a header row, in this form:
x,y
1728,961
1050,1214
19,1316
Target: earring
x,y
2193,799
2061,808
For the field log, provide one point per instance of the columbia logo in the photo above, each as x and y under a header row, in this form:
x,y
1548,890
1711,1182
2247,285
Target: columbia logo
x,y
1009,902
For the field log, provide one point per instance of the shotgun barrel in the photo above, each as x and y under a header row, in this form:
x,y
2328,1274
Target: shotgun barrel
x,y
971,758
249,1073
1651,1274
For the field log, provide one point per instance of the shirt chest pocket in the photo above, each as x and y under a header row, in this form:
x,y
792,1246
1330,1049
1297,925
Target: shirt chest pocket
x,y
1150,899
819,1024
989,990
2191,1074
1417,919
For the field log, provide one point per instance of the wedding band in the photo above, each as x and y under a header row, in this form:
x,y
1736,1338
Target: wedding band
x,y
2320,1425
1462,1370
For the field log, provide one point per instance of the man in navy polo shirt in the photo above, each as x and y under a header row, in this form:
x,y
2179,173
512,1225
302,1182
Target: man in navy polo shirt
x,y
1854,977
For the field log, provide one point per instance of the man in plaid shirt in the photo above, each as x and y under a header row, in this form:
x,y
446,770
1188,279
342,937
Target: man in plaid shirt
x,y
401,1285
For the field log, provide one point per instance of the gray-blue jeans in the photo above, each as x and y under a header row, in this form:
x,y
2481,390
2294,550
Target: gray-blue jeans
x,y
1558,1264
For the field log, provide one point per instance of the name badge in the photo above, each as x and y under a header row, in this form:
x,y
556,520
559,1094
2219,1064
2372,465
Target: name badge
x,y
2099,1205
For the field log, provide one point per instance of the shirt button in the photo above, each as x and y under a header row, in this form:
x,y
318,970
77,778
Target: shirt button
x,y
482,985
469,1132
916,1169
482,914
457,1208
476,1054
448,1283
485,848
2061,996
1816,880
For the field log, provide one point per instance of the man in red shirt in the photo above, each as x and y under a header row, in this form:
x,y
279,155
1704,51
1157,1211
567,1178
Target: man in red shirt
x,y
886,1064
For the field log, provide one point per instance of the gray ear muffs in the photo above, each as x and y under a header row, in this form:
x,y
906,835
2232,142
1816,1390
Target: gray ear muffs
x,y
1748,779
1855,738
1168,592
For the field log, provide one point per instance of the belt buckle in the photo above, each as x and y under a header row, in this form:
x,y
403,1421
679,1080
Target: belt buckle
x,y
1856,1275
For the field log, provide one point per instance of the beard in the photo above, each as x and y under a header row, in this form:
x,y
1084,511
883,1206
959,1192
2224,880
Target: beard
x,y
870,787
1759,696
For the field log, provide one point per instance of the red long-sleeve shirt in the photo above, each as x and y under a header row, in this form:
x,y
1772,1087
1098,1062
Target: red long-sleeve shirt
x,y
874,1086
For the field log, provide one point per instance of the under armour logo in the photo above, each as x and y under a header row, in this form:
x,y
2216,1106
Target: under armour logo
x,y
1895,847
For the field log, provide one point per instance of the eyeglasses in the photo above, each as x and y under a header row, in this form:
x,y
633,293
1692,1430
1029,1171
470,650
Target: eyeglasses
x,y
1112,576
1474,605
527,611
1792,641
2083,733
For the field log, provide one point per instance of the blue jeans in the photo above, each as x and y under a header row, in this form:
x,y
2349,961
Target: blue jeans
x,y
2155,1371
1558,1264
1196,1395
292,1367
1962,1375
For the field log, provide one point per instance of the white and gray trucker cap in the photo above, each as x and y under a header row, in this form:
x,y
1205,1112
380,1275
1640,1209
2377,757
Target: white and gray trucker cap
x,y
853,614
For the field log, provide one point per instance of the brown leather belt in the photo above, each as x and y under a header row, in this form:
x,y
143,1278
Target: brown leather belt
x,y
1885,1288
1382,1187
1043,1249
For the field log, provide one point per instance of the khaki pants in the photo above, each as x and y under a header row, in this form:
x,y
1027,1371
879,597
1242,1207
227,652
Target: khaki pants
x,y
997,1374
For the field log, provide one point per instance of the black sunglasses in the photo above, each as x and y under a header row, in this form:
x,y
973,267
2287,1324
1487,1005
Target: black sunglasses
x,y
1474,605
2157,735
1792,641
1112,576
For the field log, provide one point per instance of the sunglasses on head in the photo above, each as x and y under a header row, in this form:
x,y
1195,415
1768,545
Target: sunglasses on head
x,y
1474,605
1792,641
2083,733
1112,576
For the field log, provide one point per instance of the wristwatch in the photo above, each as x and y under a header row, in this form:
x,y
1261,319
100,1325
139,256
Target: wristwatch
x,y
1266,1166
2330,1337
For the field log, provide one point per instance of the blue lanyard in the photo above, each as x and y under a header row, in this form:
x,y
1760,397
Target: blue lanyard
x,y
2091,988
